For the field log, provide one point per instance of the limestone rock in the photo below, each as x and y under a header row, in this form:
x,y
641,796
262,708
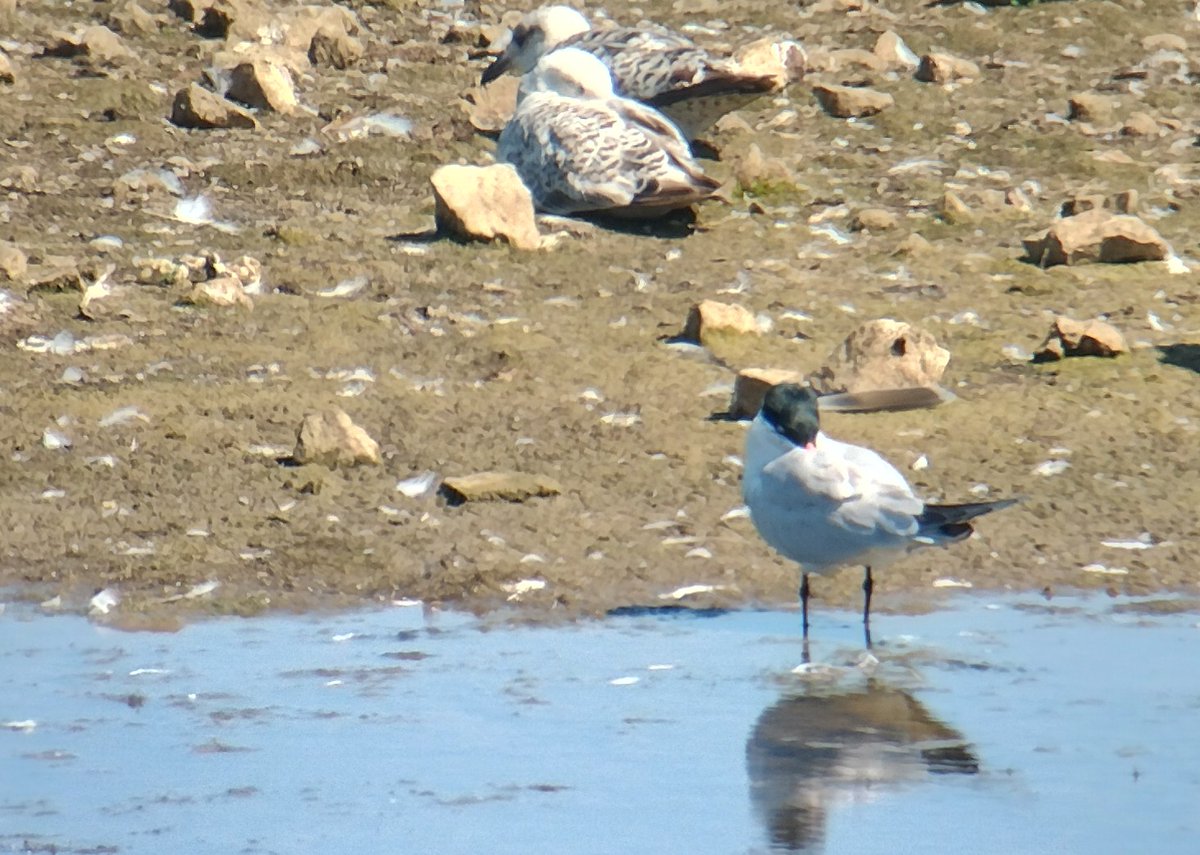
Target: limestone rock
x,y
1089,107
221,291
335,48
1097,235
263,84
490,107
498,487
914,245
196,107
130,18
848,58
890,48
955,210
13,262
235,20
1140,124
944,68
711,317
874,220
751,386
485,203
782,59
848,102
96,43
756,170
1165,41
1074,338
332,439
882,354
7,75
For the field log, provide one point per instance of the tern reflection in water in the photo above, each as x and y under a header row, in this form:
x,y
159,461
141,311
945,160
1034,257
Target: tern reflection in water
x,y
810,752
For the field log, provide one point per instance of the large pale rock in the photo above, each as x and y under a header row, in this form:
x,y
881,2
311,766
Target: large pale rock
x,y
1089,107
485,203
97,44
1074,338
751,386
334,47
945,67
7,75
710,318
129,17
263,84
221,291
1097,235
196,107
13,262
875,220
850,102
498,487
781,59
332,439
882,354
1141,124
490,107
890,48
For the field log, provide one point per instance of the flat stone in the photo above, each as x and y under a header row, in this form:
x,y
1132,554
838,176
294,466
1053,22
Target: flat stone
x,y
1069,337
498,487
485,203
1097,235
196,107
849,102
940,67
331,438
847,58
263,84
13,262
914,245
751,386
710,318
96,43
882,354
1165,41
875,220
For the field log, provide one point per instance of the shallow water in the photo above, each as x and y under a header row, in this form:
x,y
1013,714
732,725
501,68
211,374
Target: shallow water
x,y
997,725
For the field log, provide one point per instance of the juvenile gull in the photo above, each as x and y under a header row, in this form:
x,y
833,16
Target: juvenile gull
x,y
826,504
579,147
664,69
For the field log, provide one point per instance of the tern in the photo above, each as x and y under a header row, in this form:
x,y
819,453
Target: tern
x,y
827,504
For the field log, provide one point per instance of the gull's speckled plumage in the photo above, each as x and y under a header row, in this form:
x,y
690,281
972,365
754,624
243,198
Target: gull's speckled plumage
x,y
579,147
691,85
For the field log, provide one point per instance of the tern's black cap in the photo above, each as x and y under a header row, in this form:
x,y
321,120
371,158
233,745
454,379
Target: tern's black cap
x,y
792,410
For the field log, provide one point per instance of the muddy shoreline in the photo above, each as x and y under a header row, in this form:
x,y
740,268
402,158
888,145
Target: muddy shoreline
x,y
460,358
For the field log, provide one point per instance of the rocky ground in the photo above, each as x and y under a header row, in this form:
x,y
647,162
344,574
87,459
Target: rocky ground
x,y
149,429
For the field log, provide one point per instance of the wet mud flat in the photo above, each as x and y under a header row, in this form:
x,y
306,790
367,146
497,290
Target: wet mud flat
x,y
438,732
147,439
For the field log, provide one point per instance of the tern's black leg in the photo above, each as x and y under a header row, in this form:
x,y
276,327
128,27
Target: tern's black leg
x,y
804,602
868,587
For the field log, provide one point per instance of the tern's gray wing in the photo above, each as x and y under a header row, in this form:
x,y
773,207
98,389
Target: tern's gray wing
x,y
579,155
850,487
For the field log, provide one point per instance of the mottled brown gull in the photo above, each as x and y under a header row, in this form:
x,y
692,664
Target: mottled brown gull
x,y
693,86
579,147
